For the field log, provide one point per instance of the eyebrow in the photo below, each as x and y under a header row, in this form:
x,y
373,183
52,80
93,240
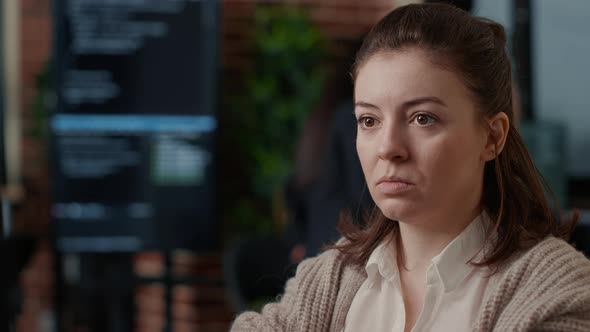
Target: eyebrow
x,y
407,104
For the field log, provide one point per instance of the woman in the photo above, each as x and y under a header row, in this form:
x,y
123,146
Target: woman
x,y
463,238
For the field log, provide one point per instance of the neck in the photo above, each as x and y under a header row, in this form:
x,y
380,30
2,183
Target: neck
x,y
420,242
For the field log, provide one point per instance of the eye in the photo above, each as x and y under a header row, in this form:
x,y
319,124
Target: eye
x,y
367,122
424,119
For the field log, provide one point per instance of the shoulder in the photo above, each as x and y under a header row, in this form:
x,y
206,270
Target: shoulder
x,y
325,260
546,284
313,289
552,257
551,262
327,269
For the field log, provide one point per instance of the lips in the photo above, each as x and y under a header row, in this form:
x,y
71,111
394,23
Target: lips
x,y
393,185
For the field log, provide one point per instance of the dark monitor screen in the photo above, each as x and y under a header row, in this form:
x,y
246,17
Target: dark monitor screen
x,y
133,130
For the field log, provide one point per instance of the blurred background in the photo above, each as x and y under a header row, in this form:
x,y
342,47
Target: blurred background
x,y
165,165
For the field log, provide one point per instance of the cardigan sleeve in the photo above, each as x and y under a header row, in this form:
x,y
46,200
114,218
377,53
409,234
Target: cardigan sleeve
x,y
568,305
280,315
273,317
565,323
546,289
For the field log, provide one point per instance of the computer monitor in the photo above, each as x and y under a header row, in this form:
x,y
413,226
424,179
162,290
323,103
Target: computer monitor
x,y
558,62
133,130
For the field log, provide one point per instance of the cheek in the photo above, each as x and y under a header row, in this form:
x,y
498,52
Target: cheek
x,y
451,161
362,151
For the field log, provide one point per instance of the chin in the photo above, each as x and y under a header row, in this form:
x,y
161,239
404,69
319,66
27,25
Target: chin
x,y
398,211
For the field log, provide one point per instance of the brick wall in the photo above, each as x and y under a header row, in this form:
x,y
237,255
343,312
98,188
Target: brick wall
x,y
32,214
341,21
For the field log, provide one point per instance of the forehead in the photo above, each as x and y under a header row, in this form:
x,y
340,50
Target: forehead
x,y
397,76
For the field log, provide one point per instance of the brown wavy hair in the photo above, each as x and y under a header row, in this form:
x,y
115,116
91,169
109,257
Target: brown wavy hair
x,y
513,192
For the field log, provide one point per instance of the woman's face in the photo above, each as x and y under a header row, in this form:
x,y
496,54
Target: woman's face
x,y
420,141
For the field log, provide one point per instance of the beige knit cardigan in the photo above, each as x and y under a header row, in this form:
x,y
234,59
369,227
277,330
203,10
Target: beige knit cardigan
x,y
546,288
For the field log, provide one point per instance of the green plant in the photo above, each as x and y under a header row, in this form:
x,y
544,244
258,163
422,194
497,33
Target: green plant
x,y
283,86
41,103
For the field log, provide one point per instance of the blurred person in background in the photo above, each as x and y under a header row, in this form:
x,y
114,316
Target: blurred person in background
x,y
463,238
328,179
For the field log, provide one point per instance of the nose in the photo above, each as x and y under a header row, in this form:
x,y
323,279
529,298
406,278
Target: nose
x,y
392,144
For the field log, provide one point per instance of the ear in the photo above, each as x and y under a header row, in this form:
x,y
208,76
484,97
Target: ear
x,y
498,127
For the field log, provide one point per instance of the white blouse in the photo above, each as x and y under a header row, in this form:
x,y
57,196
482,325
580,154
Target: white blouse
x,y
454,289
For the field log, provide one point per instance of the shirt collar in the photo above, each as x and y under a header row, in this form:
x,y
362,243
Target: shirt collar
x,y
382,264
451,264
